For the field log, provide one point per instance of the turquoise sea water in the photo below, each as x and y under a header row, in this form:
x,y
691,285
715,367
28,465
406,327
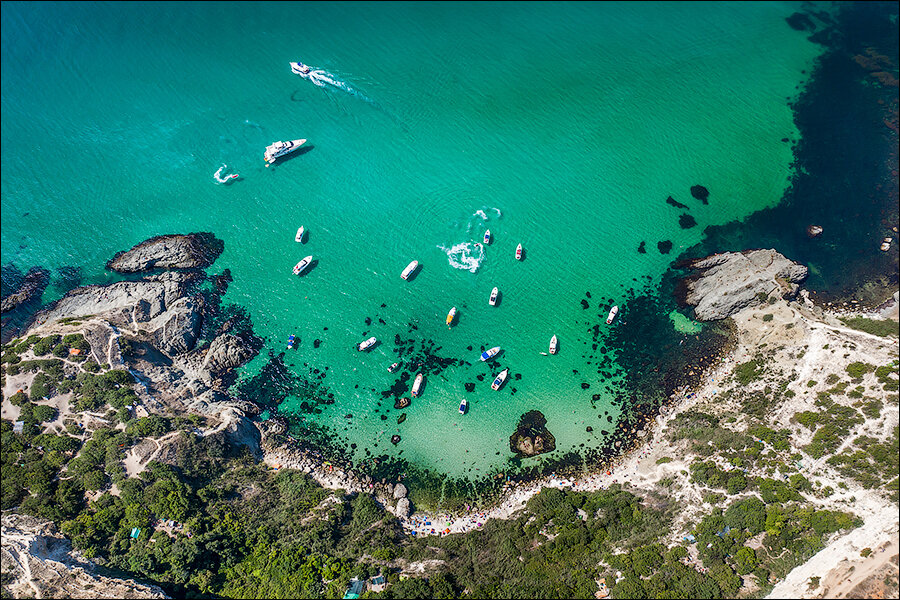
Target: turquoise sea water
x,y
563,127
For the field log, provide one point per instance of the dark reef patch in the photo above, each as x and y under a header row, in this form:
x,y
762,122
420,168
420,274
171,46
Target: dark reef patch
x,y
676,203
664,246
643,248
700,193
687,221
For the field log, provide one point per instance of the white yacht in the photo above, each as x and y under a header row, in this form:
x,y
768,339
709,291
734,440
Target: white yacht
x,y
494,294
279,149
519,252
500,379
463,406
301,266
409,269
612,314
366,344
553,344
417,384
487,237
489,354
299,236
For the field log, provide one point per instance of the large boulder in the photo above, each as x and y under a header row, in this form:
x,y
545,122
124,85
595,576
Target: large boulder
x,y
225,353
400,491
727,283
178,332
532,436
191,251
403,509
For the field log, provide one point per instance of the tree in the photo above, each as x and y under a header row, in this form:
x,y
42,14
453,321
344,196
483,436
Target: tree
x,y
745,560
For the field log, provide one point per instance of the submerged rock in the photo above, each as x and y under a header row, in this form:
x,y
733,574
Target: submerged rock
x,y
531,436
664,246
673,202
729,282
191,251
700,193
32,286
814,230
687,221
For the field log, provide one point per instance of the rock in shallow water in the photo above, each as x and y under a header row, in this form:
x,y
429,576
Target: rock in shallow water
x,y
531,436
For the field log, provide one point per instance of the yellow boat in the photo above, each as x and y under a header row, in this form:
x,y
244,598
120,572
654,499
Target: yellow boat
x,y
450,316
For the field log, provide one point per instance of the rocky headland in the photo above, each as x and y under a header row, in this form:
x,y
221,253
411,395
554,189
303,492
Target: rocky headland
x,y
191,251
32,287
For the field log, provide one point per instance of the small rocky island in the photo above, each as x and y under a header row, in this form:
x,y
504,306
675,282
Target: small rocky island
x,y
191,251
532,436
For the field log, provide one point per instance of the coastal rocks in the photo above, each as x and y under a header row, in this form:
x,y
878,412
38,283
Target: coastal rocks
x,y
531,436
813,230
32,286
700,193
400,491
729,282
403,508
225,353
38,562
191,251
178,333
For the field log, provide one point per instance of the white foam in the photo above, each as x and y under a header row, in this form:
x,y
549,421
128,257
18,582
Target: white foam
x,y
226,178
465,255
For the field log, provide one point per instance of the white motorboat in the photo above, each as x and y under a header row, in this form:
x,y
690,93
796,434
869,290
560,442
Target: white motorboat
x,y
366,344
417,385
409,269
612,314
500,379
393,368
494,294
489,354
553,344
519,252
299,236
279,149
290,344
301,266
317,76
450,316
487,237
463,406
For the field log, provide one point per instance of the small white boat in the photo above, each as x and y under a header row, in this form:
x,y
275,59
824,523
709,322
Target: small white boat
x,y
290,345
487,237
489,354
519,252
393,368
301,266
417,384
553,344
366,344
463,406
500,379
450,316
409,269
612,314
279,149
494,294
299,236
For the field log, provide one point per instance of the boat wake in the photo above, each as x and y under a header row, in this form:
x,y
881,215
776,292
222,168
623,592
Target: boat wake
x,y
466,256
485,213
224,179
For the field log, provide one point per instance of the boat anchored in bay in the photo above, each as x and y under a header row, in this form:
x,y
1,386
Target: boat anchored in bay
x,y
302,265
495,293
450,316
489,354
553,344
408,271
612,314
366,344
501,377
417,385
278,149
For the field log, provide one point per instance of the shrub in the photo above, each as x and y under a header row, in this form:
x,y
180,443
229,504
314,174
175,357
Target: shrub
x,y
879,328
46,345
768,317
748,372
857,369
19,398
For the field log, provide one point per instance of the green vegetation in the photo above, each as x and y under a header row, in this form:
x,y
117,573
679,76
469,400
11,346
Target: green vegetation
x,y
879,328
768,317
856,370
748,372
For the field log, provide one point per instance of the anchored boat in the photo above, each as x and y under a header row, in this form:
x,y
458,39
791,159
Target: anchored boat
x,y
290,345
450,316
498,382
417,384
301,266
279,149
409,269
553,344
299,236
612,314
487,237
519,252
463,406
366,344
489,354
393,368
493,299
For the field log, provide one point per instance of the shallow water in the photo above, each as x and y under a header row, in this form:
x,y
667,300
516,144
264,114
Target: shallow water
x,y
563,127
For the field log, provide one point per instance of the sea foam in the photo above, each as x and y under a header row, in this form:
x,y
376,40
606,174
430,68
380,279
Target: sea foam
x,y
465,255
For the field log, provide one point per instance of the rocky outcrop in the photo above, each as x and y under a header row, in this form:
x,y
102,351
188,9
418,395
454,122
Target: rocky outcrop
x,y
403,508
38,562
191,251
225,353
399,491
532,436
32,286
727,283
178,332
